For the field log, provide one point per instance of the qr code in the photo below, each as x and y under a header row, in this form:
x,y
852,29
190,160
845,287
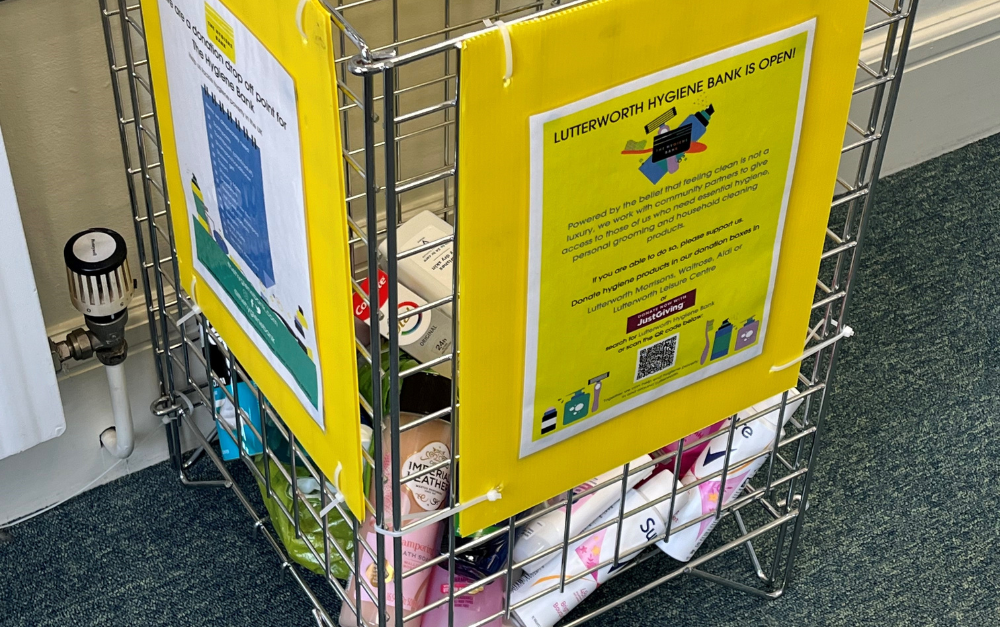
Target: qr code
x,y
656,358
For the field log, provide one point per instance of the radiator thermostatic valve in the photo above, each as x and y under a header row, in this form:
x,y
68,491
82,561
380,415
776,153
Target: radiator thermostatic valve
x,y
101,288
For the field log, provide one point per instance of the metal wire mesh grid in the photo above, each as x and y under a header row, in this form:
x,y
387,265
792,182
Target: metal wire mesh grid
x,y
400,156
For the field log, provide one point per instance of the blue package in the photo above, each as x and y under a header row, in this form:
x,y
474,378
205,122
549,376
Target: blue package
x,y
224,411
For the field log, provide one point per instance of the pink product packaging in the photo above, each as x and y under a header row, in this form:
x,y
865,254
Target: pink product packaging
x,y
470,608
749,440
690,454
704,499
422,447
547,531
588,554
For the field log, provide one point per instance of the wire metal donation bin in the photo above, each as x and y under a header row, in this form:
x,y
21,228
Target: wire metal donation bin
x,y
408,559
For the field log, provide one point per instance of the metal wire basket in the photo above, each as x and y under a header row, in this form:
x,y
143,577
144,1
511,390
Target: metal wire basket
x,y
400,158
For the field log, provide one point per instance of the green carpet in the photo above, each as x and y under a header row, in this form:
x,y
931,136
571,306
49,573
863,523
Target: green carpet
x,y
902,527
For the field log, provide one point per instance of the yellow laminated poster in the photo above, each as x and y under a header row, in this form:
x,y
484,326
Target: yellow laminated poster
x,y
247,108
656,179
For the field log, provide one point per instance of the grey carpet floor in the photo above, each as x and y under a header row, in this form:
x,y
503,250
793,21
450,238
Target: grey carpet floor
x,y
902,528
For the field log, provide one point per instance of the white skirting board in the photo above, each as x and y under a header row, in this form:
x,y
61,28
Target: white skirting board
x,y
30,407
950,89
59,469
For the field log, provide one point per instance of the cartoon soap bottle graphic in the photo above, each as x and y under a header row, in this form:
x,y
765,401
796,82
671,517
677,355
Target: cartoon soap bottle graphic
x,y
747,334
720,347
577,407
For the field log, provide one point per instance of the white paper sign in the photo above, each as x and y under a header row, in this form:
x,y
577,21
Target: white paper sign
x,y
236,129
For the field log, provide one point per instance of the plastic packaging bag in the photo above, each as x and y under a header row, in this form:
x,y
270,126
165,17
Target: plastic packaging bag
x,y
421,393
311,532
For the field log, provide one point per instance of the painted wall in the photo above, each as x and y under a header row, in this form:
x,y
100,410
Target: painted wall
x,y
59,124
931,8
58,120
57,114
949,93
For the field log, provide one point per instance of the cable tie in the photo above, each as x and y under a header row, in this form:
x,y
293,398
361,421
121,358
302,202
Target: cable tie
x,y
846,332
508,52
338,496
195,308
299,10
492,496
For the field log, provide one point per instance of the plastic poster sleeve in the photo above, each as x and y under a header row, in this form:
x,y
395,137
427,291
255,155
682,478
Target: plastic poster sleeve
x,y
655,179
247,112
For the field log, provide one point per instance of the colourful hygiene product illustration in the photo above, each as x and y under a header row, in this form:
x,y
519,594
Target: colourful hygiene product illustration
x,y
670,146
582,403
577,407
596,382
747,334
723,337
708,342
550,420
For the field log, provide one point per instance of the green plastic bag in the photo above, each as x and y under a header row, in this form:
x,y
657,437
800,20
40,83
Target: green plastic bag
x,y
341,530
311,532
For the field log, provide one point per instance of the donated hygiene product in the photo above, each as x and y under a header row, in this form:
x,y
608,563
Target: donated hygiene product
x,y
691,451
420,448
425,336
429,273
470,566
637,529
547,531
748,440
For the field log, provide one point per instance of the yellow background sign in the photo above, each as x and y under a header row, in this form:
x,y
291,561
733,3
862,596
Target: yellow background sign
x,y
656,217
574,55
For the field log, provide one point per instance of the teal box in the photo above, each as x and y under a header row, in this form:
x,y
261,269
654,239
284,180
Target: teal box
x,y
224,410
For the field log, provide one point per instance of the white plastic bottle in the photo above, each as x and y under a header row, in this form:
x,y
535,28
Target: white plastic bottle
x,y
637,529
547,531
428,273
748,440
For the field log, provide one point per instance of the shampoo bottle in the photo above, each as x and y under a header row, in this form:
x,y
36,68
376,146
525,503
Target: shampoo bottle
x,y
637,529
420,448
547,531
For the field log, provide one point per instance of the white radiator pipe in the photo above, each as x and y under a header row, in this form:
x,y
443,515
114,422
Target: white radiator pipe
x,y
120,439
